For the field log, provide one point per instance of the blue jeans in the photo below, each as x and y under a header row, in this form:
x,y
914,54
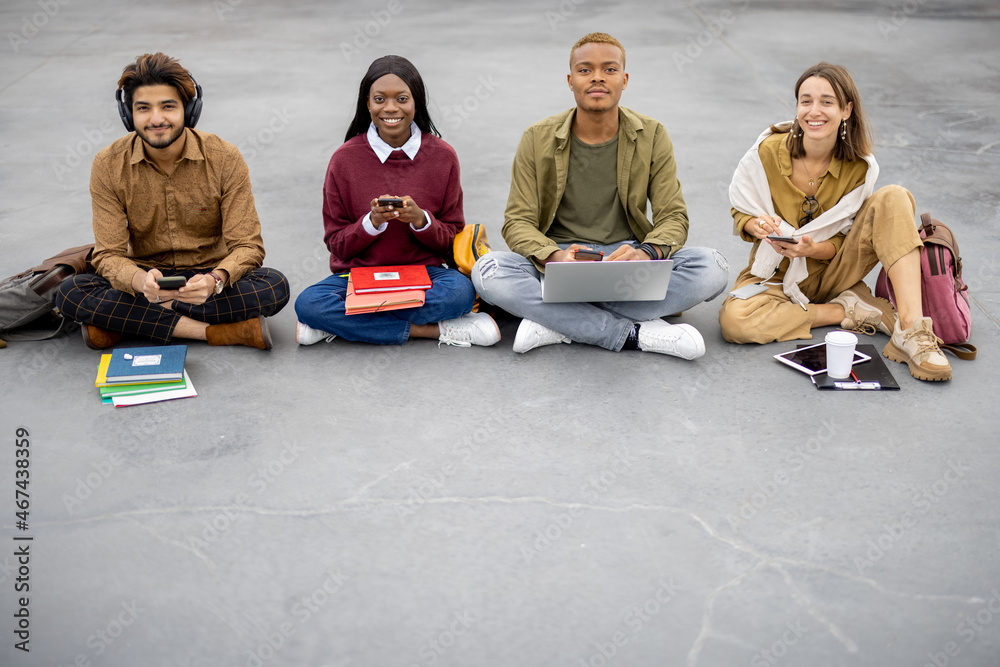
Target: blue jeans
x,y
511,282
321,306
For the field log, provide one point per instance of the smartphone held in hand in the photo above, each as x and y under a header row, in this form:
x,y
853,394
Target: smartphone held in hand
x,y
586,254
171,282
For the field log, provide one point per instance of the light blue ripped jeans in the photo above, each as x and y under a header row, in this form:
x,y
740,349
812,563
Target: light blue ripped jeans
x,y
511,281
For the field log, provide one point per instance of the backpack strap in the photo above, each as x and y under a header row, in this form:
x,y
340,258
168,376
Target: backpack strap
x,y
51,278
926,224
945,238
56,269
77,258
964,351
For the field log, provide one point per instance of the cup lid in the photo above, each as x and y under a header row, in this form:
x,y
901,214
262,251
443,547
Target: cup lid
x,y
841,338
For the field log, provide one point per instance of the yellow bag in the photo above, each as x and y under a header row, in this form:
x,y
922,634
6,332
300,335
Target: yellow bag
x,y
469,245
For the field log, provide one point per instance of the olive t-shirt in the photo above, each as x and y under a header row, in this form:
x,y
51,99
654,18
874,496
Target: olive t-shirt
x,y
590,210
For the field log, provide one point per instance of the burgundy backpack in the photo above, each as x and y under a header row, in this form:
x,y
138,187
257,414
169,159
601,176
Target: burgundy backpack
x,y
945,296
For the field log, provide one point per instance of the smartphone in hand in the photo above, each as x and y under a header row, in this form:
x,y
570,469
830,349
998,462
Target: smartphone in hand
x,y
783,239
171,282
390,201
586,254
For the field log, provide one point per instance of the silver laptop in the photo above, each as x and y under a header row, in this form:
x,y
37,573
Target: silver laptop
x,y
642,280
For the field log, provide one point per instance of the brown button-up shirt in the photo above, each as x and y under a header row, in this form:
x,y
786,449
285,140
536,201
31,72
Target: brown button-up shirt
x,y
202,216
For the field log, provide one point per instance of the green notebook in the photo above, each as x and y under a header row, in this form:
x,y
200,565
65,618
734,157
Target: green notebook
x,y
132,389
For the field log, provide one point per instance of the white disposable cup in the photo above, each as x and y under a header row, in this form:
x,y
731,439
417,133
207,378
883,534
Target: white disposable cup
x,y
840,353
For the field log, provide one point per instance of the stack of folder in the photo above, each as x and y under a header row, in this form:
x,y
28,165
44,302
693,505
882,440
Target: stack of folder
x,y
137,375
373,289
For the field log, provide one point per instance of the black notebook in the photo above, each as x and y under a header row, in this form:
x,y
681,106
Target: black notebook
x,y
872,375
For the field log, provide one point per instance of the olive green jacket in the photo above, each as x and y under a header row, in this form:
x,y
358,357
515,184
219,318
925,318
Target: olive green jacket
x,y
646,170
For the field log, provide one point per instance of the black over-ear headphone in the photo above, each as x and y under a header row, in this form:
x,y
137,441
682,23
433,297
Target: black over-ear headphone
x,y
192,110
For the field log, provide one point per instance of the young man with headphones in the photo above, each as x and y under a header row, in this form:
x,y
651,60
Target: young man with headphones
x,y
172,202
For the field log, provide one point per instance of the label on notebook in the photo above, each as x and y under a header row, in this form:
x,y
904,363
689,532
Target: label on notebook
x,y
386,275
147,360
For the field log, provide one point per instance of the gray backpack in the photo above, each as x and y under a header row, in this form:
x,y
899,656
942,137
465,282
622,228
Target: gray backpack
x,y
27,300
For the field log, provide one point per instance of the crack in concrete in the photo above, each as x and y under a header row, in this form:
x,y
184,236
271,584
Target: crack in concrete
x,y
777,563
175,543
811,609
382,477
706,613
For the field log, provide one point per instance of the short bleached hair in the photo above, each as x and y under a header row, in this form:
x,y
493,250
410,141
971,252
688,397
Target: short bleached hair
x,y
596,38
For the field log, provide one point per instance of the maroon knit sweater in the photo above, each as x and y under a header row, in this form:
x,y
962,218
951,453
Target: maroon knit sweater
x,y
356,176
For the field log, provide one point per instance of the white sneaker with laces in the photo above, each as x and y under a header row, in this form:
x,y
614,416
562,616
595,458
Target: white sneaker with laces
x,y
306,335
532,334
468,330
677,340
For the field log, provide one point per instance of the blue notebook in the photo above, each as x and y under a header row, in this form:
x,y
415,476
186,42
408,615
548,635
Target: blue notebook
x,y
147,364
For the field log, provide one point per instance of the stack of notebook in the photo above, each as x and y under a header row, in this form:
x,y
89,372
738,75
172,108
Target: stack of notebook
x,y
372,289
137,375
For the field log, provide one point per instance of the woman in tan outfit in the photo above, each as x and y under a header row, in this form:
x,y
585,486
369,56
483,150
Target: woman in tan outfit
x,y
813,180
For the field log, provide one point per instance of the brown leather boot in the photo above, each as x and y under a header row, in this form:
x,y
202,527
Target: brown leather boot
x,y
99,339
252,333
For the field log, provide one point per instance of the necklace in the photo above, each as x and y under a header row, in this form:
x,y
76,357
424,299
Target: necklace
x,y
812,179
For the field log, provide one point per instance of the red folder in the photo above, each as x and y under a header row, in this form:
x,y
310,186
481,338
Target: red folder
x,y
355,304
390,278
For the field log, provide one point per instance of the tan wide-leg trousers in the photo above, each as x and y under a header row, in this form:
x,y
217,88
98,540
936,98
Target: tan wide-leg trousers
x,y
884,230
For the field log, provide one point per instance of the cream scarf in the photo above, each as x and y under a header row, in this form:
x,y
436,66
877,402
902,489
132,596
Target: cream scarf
x,y
749,193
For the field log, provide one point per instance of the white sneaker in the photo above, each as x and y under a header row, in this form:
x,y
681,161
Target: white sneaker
x,y
306,335
677,340
468,330
532,334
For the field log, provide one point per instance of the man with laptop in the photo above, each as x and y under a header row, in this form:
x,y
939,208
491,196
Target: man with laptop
x,y
580,182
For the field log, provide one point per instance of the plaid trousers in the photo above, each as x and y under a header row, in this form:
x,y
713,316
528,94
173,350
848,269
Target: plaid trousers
x,y
90,299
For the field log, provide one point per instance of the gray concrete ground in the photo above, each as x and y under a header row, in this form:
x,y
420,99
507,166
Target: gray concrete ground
x,y
351,505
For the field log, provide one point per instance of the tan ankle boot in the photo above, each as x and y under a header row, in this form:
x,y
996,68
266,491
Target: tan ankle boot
x,y
252,333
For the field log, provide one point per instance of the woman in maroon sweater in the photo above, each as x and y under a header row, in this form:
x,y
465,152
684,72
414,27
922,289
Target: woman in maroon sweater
x,y
393,150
